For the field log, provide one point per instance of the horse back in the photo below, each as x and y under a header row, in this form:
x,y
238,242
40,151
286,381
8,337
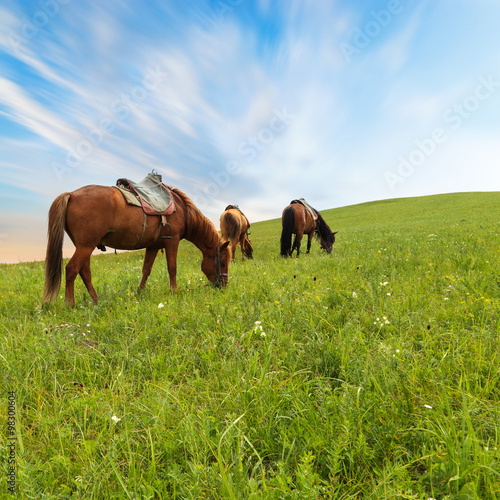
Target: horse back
x,y
230,224
100,214
302,220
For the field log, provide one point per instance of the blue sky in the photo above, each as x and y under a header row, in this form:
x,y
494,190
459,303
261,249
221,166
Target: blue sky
x,y
247,102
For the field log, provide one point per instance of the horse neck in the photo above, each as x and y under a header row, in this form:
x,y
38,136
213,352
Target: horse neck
x,y
207,245
197,229
324,229
202,234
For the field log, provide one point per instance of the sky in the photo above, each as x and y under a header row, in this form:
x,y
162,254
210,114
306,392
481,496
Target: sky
x,y
247,102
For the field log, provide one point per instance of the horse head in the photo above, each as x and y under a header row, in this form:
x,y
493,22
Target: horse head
x,y
217,268
327,239
247,248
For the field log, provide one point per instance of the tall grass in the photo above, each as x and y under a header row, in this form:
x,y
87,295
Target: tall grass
x,y
372,372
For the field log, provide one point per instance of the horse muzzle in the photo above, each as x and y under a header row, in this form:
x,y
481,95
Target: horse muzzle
x,y
221,281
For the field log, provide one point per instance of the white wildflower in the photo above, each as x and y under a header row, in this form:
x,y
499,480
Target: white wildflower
x,y
160,305
115,419
258,328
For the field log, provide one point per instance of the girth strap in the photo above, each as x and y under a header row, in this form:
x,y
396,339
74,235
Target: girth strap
x,y
144,225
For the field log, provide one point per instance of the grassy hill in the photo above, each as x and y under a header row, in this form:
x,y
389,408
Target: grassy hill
x,y
372,372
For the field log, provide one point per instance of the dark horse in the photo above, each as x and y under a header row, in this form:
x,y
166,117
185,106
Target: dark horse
x,y
297,219
234,227
99,215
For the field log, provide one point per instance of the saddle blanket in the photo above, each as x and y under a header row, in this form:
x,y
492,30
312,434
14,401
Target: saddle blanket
x,y
309,208
151,194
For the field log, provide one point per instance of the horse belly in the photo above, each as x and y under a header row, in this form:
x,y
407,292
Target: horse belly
x,y
132,231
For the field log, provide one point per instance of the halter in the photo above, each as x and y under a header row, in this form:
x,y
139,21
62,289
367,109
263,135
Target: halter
x,y
218,266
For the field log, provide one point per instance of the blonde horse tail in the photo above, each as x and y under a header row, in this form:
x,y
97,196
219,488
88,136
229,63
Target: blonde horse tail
x,y
233,224
53,256
228,226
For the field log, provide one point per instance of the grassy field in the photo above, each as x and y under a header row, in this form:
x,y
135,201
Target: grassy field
x,y
373,372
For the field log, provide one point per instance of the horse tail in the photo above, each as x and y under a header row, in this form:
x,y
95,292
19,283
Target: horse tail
x,y
286,232
234,226
231,229
53,256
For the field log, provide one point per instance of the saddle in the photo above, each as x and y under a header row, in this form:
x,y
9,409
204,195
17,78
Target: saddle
x,y
151,194
303,202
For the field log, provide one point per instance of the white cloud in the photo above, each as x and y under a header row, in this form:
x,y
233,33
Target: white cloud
x,y
28,112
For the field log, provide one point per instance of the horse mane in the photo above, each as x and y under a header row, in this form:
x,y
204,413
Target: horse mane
x,y
196,222
324,230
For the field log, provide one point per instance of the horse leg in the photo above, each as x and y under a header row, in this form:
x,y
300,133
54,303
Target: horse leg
x,y
309,240
171,255
86,276
75,266
293,246
234,244
242,246
296,243
149,260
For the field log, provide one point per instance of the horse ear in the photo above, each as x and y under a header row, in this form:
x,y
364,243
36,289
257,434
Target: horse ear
x,y
224,245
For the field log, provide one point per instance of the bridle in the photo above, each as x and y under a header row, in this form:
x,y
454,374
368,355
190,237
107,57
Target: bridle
x,y
219,275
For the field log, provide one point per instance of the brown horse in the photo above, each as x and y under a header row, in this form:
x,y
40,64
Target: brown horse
x,y
297,219
234,227
99,215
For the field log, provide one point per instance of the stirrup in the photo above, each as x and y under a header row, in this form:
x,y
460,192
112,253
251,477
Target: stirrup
x,y
162,226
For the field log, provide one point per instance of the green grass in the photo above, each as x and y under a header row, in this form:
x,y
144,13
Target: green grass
x,y
374,371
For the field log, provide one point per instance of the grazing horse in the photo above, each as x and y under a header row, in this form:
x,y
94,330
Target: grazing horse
x,y
99,215
234,227
297,219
